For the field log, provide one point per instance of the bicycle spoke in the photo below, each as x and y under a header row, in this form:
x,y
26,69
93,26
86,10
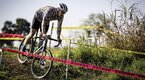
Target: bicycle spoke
x,y
40,67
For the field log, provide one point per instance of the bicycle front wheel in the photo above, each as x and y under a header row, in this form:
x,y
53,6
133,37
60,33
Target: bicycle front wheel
x,y
41,67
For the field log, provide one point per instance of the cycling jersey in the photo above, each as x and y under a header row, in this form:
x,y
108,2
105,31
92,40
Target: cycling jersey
x,y
48,13
44,15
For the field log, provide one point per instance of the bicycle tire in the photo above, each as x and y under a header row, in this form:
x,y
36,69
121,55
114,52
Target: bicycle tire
x,y
36,67
21,58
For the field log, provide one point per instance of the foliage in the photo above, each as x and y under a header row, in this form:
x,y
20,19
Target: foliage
x,y
124,60
123,29
100,56
20,27
128,26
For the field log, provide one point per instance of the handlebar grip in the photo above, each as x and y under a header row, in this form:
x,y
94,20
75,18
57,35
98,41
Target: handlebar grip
x,y
57,45
54,39
59,41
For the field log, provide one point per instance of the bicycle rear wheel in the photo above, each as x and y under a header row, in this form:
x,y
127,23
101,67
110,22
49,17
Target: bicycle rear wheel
x,y
41,67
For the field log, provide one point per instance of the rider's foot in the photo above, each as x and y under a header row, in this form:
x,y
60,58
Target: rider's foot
x,y
42,63
23,48
30,57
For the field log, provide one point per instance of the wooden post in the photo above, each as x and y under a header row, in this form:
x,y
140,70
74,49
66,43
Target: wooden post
x,y
68,54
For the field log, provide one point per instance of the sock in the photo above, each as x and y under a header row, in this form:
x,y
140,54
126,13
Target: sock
x,y
23,47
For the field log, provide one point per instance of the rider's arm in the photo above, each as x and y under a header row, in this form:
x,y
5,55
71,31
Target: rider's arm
x,y
43,26
59,27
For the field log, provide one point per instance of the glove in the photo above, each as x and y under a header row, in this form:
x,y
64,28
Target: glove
x,y
44,36
59,40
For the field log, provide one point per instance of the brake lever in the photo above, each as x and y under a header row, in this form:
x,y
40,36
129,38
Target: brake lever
x,y
59,42
57,45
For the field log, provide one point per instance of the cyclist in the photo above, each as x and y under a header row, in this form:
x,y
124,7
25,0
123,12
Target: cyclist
x,y
42,18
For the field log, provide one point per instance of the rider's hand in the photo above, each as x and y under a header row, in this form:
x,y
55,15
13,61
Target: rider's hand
x,y
45,36
59,40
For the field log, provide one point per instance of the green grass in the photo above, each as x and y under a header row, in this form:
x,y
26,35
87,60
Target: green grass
x,y
11,69
115,59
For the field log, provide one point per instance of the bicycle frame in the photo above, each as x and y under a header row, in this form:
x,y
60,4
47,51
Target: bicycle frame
x,y
42,64
41,50
44,46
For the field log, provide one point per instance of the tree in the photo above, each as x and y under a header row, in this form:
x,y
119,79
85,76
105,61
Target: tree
x,y
7,29
20,27
124,27
128,26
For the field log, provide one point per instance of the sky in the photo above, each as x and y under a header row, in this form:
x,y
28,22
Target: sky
x,y
78,10
77,13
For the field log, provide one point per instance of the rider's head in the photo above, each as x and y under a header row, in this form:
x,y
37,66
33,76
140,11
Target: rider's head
x,y
63,8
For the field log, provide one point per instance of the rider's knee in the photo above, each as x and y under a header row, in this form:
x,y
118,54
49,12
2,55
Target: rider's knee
x,y
32,32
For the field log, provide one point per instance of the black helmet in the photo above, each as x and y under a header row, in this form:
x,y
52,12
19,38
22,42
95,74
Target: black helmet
x,y
63,7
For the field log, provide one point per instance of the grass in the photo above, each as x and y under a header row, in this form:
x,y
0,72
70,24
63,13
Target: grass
x,y
11,69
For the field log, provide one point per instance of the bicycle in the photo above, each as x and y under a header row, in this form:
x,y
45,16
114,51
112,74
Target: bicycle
x,y
39,67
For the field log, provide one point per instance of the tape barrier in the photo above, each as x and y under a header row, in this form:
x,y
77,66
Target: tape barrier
x,y
88,66
77,27
88,27
128,51
5,35
11,38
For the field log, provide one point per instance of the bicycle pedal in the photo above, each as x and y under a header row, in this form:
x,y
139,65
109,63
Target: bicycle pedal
x,y
30,57
42,66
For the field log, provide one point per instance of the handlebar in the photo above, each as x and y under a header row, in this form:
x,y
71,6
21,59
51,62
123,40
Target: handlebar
x,y
59,42
49,37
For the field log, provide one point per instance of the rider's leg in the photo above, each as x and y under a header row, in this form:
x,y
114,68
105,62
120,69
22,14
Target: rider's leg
x,y
35,26
41,35
40,40
28,38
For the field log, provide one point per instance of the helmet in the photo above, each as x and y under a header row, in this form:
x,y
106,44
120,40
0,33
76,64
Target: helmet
x,y
63,7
